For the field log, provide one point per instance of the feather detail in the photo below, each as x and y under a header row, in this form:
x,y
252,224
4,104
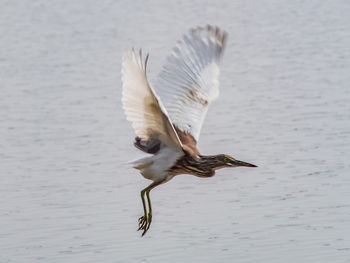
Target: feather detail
x,y
189,81
141,105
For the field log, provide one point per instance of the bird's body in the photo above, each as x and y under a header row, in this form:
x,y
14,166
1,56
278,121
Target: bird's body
x,y
167,118
157,166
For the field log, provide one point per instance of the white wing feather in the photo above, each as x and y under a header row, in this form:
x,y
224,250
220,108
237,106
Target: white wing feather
x,y
141,106
189,81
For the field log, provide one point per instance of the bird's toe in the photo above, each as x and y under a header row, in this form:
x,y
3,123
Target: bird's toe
x,y
142,222
145,223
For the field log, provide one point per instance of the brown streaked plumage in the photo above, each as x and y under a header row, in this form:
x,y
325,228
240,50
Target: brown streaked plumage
x,y
204,166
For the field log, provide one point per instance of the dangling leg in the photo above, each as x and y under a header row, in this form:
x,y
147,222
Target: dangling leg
x,y
145,221
149,209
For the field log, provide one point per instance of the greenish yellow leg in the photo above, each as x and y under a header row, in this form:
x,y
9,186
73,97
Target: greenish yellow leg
x,y
145,221
149,217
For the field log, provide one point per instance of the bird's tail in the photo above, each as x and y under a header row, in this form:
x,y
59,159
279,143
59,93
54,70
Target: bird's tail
x,y
141,163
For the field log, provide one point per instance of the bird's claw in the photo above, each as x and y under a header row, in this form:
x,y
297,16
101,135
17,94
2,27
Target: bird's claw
x,y
142,222
145,223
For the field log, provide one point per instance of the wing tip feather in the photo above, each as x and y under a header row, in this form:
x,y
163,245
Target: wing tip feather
x,y
135,57
219,35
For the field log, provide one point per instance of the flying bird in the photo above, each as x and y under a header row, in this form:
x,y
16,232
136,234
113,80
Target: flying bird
x,y
167,117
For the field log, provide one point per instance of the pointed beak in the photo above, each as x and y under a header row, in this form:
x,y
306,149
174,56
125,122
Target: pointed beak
x,y
240,163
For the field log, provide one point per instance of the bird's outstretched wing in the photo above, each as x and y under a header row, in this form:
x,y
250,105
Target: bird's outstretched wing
x,y
189,81
141,106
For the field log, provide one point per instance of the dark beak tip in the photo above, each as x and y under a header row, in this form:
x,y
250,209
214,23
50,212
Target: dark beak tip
x,y
240,163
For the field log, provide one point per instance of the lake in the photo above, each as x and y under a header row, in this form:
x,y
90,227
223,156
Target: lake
x,y
67,194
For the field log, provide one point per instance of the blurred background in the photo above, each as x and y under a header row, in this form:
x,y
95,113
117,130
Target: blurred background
x,y
66,192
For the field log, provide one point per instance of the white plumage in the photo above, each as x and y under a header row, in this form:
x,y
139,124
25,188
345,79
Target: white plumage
x,y
155,167
141,106
181,96
189,81
149,120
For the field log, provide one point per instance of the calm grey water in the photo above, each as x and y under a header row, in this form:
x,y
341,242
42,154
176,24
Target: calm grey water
x,y
66,193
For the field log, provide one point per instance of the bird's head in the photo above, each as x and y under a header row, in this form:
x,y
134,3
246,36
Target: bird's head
x,y
229,161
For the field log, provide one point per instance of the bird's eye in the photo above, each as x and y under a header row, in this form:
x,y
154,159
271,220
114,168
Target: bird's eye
x,y
228,160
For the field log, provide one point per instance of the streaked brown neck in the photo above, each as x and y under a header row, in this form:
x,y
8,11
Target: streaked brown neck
x,y
205,166
211,161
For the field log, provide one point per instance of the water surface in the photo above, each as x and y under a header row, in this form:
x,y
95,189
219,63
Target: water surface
x,y
66,193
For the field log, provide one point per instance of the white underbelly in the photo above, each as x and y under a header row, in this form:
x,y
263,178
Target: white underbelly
x,y
159,164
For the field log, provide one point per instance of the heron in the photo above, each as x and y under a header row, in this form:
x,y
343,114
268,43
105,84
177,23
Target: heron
x,y
167,117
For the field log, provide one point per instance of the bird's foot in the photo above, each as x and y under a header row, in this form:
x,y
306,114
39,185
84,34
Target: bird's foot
x,y
145,223
142,222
